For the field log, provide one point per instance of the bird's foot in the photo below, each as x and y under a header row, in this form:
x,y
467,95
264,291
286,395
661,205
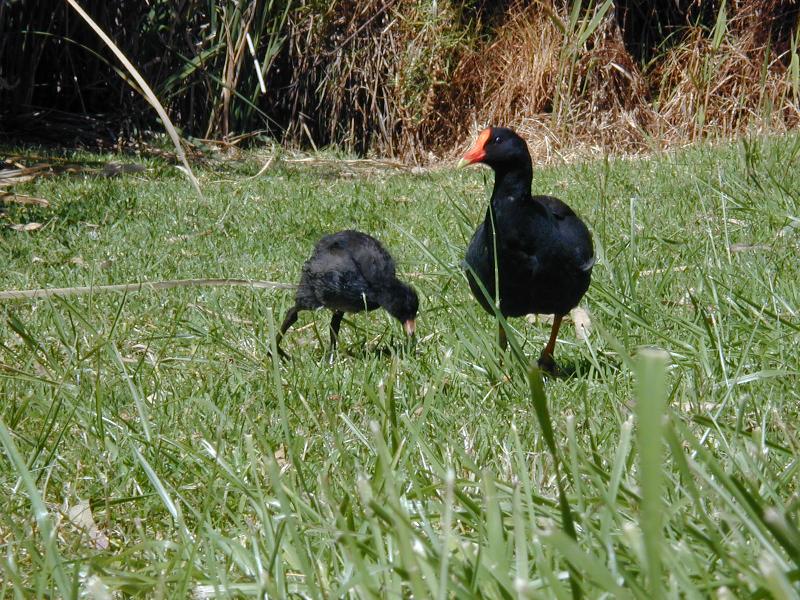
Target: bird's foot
x,y
548,364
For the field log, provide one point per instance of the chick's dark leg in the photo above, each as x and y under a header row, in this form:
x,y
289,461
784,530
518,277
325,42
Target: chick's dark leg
x,y
546,360
288,321
336,322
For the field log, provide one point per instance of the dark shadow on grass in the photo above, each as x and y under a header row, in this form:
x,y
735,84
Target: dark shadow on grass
x,y
103,205
355,351
580,366
386,350
570,369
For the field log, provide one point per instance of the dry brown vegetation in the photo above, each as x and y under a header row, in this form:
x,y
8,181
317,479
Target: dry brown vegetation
x,y
413,79
571,96
536,77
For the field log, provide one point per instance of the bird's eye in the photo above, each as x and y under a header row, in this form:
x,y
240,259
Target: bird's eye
x,y
497,140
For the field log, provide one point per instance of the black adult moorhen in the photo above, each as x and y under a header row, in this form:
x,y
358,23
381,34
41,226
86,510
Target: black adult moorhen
x,y
348,272
543,251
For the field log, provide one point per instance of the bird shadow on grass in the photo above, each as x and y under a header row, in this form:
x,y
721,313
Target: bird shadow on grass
x,y
388,349
578,367
356,351
575,367
570,369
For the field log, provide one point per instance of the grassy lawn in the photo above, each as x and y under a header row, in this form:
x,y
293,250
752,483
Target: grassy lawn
x,y
154,448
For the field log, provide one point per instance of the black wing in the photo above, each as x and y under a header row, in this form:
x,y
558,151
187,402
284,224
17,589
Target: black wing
x,y
574,240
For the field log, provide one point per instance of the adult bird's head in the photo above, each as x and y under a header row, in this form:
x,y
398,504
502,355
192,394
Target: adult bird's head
x,y
499,147
401,301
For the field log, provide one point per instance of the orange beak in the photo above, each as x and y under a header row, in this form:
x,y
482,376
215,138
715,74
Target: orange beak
x,y
477,152
410,326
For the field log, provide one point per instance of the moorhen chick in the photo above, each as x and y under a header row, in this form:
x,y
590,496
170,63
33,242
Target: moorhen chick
x,y
348,272
541,250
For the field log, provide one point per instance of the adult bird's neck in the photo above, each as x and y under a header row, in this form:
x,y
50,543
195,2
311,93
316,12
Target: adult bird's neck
x,y
512,183
509,185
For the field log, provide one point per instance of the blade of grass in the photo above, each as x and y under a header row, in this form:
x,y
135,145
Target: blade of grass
x,y
40,513
543,416
144,285
650,411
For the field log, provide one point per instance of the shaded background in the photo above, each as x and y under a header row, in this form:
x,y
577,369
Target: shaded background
x,y
402,78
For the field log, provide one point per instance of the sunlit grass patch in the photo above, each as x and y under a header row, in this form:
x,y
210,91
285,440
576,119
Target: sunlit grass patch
x,y
211,470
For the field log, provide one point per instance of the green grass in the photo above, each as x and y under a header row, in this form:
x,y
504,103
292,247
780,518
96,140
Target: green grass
x,y
212,470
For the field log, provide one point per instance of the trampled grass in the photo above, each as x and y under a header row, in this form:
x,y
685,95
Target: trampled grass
x,y
152,446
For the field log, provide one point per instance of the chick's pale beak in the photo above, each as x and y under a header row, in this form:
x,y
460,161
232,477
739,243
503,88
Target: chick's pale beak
x,y
410,326
477,153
